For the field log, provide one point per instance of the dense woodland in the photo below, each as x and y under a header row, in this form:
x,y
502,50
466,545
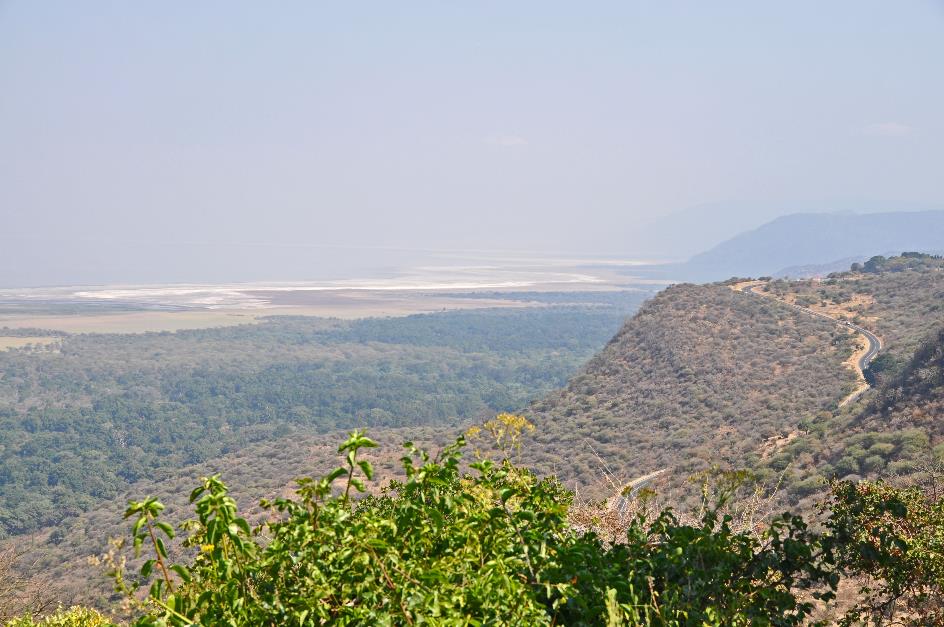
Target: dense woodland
x,y
104,411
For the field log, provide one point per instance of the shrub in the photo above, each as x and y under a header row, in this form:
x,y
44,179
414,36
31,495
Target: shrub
x,y
490,546
846,466
72,617
893,538
883,449
873,463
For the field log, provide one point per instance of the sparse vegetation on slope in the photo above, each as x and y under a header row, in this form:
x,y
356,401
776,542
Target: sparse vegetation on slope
x,y
702,375
706,375
894,429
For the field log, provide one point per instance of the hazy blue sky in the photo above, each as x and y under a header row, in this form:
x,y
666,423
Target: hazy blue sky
x,y
484,125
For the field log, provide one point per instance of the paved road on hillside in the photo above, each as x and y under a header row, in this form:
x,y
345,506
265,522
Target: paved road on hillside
x,y
874,344
631,489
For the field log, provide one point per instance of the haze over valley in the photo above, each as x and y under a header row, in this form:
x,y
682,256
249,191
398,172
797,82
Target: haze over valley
x,y
531,313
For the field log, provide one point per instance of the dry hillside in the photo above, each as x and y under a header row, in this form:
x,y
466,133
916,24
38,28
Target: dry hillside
x,y
701,375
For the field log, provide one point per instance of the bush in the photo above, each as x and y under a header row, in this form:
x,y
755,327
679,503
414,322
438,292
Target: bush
x,y
892,537
846,466
73,617
873,464
883,449
493,545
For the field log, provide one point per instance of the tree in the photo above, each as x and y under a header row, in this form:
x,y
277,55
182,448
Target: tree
x,y
20,594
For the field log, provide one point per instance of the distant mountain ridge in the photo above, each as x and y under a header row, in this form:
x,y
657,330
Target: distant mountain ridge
x,y
805,240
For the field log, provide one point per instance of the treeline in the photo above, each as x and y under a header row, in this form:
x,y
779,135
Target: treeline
x,y
904,261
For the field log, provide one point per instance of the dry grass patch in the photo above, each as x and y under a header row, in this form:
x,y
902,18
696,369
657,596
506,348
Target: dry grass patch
x,y
12,342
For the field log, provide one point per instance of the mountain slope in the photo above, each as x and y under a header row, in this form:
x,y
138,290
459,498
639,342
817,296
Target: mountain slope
x,y
914,399
894,429
701,375
918,390
707,375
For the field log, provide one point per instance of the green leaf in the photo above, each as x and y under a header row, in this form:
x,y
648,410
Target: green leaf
x,y
159,546
182,572
337,472
166,528
140,522
157,589
366,468
146,568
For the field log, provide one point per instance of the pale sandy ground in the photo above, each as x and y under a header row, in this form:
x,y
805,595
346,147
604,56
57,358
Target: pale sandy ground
x,y
334,305
156,308
7,342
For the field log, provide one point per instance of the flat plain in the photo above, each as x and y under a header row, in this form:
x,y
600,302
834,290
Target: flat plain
x,y
12,342
169,308
347,306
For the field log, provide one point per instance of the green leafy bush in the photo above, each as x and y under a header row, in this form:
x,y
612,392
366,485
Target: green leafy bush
x,y
72,617
489,545
892,539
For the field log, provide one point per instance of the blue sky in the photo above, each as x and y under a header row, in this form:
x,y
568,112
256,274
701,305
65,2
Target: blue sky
x,y
554,126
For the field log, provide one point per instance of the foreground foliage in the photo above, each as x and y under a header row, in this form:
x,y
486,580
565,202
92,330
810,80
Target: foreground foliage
x,y
491,543
491,546
72,617
894,539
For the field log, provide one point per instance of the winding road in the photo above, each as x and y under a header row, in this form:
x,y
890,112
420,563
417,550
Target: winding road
x,y
620,502
873,342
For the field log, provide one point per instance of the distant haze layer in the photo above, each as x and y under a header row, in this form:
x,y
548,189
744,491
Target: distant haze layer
x,y
237,141
811,239
64,264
